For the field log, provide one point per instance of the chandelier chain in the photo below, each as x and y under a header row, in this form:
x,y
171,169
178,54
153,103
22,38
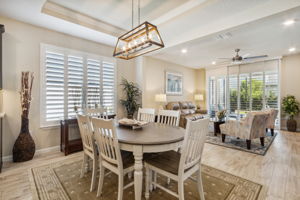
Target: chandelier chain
x,y
132,14
139,12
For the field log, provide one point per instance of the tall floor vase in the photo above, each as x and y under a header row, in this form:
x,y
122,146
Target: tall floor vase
x,y
24,147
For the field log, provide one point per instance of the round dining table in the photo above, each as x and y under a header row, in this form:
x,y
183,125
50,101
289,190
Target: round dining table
x,y
152,138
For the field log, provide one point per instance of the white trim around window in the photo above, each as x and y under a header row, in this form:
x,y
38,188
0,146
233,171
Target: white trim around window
x,y
71,78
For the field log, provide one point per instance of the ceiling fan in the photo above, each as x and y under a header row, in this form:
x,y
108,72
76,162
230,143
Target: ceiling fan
x,y
238,58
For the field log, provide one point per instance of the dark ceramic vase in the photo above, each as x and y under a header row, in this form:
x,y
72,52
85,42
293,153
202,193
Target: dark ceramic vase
x,y
24,147
291,125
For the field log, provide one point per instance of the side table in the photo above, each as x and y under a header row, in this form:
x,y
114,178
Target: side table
x,y
217,127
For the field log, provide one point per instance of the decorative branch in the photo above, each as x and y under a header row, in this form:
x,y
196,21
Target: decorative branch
x,y
26,91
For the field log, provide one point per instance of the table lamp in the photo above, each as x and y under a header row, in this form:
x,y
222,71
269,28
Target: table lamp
x,y
161,99
199,98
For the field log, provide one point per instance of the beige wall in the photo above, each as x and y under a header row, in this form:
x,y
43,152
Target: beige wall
x,y
21,51
290,81
154,80
200,78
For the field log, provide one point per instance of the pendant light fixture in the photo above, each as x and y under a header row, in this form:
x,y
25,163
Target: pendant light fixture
x,y
140,40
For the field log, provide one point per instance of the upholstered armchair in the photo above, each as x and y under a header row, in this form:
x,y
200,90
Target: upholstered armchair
x,y
271,120
252,127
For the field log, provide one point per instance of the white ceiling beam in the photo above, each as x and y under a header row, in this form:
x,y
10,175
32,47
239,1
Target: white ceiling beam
x,y
69,15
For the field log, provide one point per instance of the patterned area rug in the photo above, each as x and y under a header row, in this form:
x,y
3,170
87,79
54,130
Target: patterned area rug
x,y
61,181
240,144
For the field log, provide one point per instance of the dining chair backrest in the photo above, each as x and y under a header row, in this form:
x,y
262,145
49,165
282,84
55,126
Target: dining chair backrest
x,y
86,133
146,114
193,143
168,117
107,141
97,112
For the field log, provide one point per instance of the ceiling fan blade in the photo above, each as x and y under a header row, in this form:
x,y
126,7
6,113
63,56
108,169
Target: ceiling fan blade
x,y
246,55
224,58
255,57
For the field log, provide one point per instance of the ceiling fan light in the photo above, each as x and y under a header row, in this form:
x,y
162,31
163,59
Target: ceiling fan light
x,y
140,40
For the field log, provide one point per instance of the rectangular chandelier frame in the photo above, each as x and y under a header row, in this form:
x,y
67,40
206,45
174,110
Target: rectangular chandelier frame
x,y
138,41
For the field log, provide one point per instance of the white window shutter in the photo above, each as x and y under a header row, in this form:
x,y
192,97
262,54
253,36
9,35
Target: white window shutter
x,y
108,87
72,79
54,75
75,85
93,83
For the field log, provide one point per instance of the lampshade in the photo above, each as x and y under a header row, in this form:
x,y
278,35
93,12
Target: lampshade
x,y
140,40
199,97
161,98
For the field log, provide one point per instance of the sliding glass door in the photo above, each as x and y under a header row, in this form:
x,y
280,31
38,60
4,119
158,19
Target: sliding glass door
x,y
245,88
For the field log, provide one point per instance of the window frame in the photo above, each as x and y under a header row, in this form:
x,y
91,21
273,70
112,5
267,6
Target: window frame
x,y
67,52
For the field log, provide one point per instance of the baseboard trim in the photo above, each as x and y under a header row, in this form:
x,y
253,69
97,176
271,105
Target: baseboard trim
x,y
285,128
38,152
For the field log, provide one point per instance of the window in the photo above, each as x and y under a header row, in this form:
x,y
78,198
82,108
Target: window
x,y
72,81
217,94
247,87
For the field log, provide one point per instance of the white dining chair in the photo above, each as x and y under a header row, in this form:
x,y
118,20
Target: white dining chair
x,y
178,166
168,117
171,118
111,157
146,114
97,112
89,147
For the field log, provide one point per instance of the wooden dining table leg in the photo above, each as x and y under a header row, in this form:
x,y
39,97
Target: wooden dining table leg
x,y
138,171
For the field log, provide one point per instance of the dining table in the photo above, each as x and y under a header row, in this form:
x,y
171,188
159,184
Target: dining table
x,y
152,138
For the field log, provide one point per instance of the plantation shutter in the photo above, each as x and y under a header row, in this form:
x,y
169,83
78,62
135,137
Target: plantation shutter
x,y
271,89
72,81
93,83
233,95
221,93
257,91
75,85
54,86
244,87
108,88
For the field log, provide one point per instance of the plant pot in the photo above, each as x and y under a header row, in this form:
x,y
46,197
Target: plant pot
x,y
24,147
291,125
129,116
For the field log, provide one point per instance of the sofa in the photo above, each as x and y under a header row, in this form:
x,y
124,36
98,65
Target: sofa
x,y
188,111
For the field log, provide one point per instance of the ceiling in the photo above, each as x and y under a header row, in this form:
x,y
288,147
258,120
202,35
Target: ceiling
x,y
119,12
197,25
265,36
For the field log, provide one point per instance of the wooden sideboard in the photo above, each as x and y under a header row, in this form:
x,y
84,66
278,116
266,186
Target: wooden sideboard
x,y
68,145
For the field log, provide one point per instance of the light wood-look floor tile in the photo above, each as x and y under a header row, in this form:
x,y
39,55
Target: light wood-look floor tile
x,y
279,169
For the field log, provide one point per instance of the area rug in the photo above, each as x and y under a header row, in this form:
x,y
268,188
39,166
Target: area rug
x,y
240,144
61,181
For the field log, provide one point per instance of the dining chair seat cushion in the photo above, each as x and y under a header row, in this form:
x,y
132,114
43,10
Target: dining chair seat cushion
x,y
167,161
127,158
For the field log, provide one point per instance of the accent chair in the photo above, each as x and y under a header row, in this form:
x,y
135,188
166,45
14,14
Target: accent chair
x,y
251,127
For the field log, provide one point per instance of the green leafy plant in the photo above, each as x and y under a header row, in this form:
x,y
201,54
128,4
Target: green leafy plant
x,y
221,115
132,93
290,106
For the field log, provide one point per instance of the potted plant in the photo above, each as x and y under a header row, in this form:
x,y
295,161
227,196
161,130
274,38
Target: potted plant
x,y
290,106
221,115
132,93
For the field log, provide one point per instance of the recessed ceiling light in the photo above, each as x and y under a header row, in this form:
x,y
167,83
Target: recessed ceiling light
x,y
292,49
289,22
183,50
213,62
